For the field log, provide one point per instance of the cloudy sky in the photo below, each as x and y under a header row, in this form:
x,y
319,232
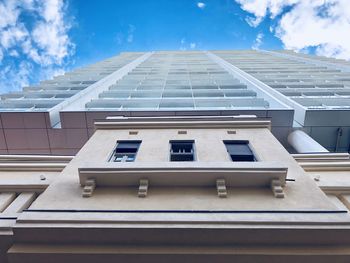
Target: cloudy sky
x,y
43,38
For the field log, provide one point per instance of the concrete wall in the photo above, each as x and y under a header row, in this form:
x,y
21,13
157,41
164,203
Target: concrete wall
x,y
302,193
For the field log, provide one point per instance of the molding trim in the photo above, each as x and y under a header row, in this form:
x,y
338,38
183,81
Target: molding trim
x,y
321,157
35,159
325,166
20,166
261,175
182,123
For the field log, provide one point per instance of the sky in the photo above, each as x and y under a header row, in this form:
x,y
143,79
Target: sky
x,y
43,38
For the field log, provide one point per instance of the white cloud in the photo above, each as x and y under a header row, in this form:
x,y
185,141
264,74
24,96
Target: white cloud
x,y
10,36
126,35
13,53
50,34
260,8
40,40
319,24
186,45
183,44
9,13
12,78
119,38
131,31
201,5
258,41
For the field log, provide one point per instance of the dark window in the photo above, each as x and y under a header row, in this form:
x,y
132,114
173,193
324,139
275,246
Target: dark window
x,y
181,151
125,151
239,151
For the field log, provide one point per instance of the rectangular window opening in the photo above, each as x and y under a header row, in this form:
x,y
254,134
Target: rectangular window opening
x,y
182,151
239,151
125,151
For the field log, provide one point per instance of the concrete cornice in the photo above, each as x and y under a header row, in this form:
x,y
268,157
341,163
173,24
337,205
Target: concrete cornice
x,y
35,159
229,219
325,166
33,162
25,166
336,190
201,174
323,161
181,123
321,157
38,188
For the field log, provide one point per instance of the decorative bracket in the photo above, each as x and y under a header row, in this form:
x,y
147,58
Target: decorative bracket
x,y
221,188
277,189
89,187
143,188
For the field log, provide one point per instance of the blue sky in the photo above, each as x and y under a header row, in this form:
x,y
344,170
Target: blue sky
x,y
135,25
43,38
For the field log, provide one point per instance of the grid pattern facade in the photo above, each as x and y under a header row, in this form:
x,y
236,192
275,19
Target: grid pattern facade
x,y
177,80
49,93
340,62
311,86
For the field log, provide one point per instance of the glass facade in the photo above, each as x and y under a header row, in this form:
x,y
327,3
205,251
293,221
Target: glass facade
x,y
312,85
50,93
177,80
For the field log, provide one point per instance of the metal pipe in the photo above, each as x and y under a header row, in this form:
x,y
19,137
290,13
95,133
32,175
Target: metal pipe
x,y
303,143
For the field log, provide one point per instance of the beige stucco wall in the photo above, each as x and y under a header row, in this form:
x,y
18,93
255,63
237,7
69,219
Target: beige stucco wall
x,y
26,179
65,191
334,179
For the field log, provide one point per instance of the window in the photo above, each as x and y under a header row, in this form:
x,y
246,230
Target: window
x,y
239,151
125,151
181,151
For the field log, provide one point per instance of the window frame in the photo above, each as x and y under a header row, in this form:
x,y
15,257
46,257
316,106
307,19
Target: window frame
x,y
113,154
183,141
245,142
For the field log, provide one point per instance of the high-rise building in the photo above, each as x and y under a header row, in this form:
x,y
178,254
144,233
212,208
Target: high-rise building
x,y
221,156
